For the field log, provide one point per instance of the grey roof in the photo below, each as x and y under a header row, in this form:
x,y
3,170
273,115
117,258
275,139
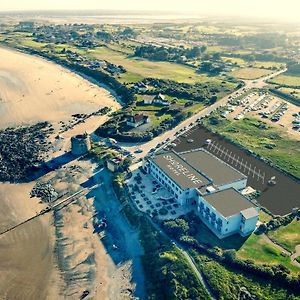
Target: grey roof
x,y
148,97
212,167
228,202
180,171
249,213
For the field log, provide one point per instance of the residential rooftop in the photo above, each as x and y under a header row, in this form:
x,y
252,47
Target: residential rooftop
x,y
230,202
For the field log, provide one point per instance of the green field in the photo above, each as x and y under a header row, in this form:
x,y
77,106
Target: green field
x,y
268,64
250,73
258,250
287,236
264,217
291,81
235,60
290,91
247,132
138,68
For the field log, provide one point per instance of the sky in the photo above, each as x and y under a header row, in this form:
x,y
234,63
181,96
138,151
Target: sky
x,y
280,9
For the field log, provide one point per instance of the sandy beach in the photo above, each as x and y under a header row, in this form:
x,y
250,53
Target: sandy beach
x,y
59,256
33,89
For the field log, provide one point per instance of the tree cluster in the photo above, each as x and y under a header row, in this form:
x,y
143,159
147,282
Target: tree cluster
x,y
202,92
168,54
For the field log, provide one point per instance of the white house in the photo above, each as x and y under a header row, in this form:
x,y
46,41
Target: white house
x,y
137,120
158,99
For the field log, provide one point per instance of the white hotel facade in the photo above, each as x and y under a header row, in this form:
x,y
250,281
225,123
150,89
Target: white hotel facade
x,y
211,186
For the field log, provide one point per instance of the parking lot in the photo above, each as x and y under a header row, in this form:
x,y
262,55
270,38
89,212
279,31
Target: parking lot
x,y
151,198
271,109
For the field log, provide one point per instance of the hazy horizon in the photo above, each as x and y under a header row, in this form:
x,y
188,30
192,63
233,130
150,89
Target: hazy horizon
x,y
268,9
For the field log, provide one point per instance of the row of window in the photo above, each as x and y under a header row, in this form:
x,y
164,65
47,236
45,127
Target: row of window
x,y
166,180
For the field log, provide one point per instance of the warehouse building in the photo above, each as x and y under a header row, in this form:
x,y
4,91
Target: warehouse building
x,y
200,179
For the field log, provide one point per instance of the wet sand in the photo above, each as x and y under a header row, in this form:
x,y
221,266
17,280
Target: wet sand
x,y
33,89
27,262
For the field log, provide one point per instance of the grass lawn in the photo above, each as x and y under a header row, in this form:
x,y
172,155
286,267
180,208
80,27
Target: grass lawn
x,y
290,91
28,42
264,217
292,81
226,283
250,73
235,60
287,236
256,249
286,154
138,68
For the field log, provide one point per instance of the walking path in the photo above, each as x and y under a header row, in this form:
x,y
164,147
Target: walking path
x,y
293,256
296,254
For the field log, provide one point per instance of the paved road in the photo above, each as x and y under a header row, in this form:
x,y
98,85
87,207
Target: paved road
x,y
258,83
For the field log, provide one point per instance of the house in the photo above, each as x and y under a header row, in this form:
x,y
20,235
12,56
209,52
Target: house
x,y
137,120
158,99
161,100
141,87
114,164
183,58
148,99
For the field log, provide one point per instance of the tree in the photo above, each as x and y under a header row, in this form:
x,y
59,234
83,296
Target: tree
x,y
193,53
213,99
216,56
129,32
230,255
105,36
203,48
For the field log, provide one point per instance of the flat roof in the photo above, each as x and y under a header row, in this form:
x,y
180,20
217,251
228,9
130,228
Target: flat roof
x,y
249,213
180,171
212,167
228,202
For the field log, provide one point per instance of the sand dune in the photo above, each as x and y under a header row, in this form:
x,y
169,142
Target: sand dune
x,y
33,89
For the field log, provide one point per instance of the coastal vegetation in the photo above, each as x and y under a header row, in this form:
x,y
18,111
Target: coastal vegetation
x,y
259,270
168,274
228,283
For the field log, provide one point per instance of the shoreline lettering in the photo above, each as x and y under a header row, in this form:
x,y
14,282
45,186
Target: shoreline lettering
x,y
178,169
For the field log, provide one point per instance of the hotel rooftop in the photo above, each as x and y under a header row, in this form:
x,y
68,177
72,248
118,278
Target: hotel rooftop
x,y
196,169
